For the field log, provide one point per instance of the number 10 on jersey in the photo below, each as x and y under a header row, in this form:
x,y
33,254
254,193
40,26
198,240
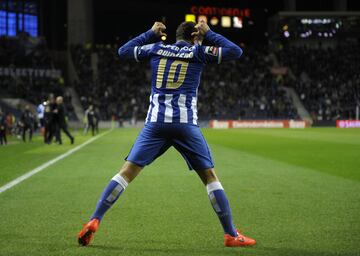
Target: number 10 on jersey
x,y
177,67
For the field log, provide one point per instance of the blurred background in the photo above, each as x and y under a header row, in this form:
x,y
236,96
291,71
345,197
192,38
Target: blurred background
x,y
297,191
300,65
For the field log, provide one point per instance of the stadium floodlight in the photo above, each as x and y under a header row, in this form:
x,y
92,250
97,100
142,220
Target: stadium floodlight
x,y
226,21
237,22
214,21
190,17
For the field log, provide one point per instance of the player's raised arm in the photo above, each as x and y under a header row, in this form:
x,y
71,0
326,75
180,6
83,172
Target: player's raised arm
x,y
138,47
220,49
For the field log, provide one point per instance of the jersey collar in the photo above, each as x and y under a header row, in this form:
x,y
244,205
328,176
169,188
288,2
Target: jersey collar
x,y
183,43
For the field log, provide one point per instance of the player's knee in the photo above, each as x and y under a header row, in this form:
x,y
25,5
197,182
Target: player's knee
x,y
129,171
207,176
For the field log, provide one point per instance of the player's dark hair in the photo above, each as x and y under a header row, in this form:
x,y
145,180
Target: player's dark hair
x,y
184,31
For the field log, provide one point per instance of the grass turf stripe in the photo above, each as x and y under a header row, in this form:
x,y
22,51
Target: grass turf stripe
x,y
40,168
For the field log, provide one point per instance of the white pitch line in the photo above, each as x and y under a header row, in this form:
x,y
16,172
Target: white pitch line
x,y
47,164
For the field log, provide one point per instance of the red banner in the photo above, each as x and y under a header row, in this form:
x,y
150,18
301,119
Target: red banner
x,y
348,123
227,124
219,11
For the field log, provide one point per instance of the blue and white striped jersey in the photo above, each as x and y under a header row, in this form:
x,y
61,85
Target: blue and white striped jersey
x,y
176,71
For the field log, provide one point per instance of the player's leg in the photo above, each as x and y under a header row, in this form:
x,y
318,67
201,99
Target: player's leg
x,y
221,207
193,147
115,188
196,152
218,200
147,147
109,196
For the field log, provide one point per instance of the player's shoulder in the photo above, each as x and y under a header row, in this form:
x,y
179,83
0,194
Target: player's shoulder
x,y
177,51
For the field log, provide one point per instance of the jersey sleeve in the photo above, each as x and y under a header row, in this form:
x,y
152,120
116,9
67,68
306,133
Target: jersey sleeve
x,y
139,47
142,52
221,49
209,54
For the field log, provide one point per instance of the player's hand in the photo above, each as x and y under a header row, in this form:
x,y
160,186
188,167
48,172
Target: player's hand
x,y
159,29
202,27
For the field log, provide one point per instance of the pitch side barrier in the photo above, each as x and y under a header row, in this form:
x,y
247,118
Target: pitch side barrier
x,y
348,124
228,124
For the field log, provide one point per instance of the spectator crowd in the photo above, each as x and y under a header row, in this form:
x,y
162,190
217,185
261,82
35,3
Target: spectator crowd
x,y
243,89
25,52
327,79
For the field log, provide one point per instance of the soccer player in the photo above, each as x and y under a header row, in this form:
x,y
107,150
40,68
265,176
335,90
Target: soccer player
x,y
172,117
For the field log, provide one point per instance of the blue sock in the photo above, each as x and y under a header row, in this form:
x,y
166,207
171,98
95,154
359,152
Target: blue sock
x,y
221,206
109,196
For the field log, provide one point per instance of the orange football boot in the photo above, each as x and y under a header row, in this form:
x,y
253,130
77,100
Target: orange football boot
x,y
87,233
239,240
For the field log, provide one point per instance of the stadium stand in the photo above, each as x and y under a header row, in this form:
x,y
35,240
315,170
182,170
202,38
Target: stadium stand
x,y
236,90
28,71
243,89
326,81
250,90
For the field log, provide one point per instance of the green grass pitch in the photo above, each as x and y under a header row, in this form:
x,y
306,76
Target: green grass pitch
x,y
296,191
